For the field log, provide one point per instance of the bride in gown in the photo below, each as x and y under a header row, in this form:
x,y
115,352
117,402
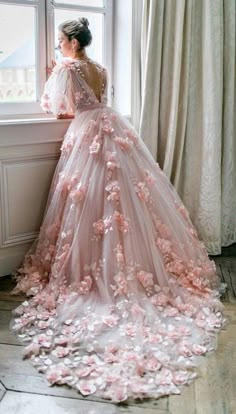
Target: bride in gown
x,y
122,299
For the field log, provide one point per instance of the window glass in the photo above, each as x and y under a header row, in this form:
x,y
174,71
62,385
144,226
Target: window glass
x,y
96,23
17,53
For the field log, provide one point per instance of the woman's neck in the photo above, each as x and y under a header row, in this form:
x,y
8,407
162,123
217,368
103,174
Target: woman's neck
x,y
80,55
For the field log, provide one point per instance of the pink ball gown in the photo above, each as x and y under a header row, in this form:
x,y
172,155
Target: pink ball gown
x,y
123,300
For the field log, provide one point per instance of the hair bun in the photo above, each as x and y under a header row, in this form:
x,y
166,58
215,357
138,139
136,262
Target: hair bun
x,y
83,21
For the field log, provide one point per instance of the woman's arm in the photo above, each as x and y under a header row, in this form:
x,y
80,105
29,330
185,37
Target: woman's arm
x,y
65,116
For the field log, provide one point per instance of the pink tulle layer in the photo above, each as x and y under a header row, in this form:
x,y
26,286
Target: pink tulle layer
x,y
122,298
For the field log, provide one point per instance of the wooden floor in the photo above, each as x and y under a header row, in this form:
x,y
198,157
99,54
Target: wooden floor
x,y
24,391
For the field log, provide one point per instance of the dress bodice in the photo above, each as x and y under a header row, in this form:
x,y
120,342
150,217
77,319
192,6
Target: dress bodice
x,y
75,85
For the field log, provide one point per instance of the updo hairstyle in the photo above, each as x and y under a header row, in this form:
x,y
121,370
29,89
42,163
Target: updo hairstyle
x,y
77,29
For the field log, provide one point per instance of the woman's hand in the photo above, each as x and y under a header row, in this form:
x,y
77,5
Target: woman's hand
x,y
49,69
65,116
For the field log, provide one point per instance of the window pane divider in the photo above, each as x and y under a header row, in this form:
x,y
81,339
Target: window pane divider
x,y
90,9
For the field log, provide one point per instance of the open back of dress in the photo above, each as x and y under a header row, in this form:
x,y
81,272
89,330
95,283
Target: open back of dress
x,y
94,76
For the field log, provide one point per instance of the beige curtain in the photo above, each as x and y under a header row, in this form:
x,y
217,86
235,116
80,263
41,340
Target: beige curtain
x,y
188,118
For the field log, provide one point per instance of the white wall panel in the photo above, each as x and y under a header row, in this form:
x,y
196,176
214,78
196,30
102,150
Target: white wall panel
x,y
25,188
28,156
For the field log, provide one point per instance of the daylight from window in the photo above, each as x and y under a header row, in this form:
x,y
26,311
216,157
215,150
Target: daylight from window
x,y
17,53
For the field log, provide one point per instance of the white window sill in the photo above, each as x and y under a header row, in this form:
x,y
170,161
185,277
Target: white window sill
x,y
30,119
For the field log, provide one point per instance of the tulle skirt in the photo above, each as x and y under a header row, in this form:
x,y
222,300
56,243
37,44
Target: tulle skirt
x,y
122,299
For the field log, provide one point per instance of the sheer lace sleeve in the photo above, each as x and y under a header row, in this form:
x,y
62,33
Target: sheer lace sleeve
x,y
72,87
59,91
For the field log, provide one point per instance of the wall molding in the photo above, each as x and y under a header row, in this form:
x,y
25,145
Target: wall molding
x,y
28,157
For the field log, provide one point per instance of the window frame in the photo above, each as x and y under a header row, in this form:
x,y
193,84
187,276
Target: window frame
x,y
22,108
45,43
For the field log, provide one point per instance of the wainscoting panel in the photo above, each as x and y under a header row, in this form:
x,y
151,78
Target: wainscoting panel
x,y
28,156
25,187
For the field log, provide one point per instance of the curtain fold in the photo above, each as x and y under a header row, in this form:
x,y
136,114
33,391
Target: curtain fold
x,y
188,107
229,126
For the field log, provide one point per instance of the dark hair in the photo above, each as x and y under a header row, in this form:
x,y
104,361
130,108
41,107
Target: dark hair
x,y
77,29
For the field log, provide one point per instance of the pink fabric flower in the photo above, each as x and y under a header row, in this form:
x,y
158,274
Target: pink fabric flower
x,y
149,177
91,360
112,348
182,377
142,191
185,349
176,267
110,156
45,104
62,106
113,189
119,254
164,377
155,338
164,245
118,393
44,316
79,193
152,364
45,96
110,358
164,231
79,96
65,251
68,144
56,373
131,135
85,285
95,146
75,179
122,287
99,227
43,340
183,330
124,143
199,349
67,63
193,232
111,161
171,311
184,212
102,226
159,299
84,372
112,378
122,224
146,279
107,128
43,324
213,321
60,351
136,310
62,340
110,320
130,330
32,349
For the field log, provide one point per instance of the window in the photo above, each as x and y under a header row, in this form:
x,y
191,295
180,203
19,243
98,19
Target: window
x,y
22,56
32,45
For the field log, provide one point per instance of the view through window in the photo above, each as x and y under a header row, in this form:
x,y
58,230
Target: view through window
x,y
17,54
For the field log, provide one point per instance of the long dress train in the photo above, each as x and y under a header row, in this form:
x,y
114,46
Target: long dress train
x,y
123,300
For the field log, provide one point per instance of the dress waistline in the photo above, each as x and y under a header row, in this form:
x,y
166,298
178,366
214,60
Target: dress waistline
x,y
92,106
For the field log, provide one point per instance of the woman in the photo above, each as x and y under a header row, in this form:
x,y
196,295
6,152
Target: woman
x,y
124,299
